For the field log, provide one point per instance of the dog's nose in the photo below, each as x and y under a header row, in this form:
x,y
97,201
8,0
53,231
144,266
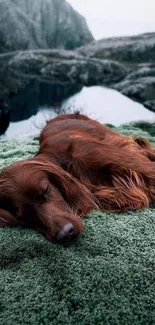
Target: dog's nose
x,y
67,233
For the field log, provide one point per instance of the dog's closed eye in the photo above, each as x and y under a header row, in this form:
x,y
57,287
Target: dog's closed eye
x,y
45,190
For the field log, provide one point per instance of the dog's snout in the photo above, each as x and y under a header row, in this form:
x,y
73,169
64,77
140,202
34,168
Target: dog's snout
x,y
67,233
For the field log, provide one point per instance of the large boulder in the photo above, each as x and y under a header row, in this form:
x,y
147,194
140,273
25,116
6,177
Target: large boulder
x,y
65,67
34,24
150,104
140,89
140,85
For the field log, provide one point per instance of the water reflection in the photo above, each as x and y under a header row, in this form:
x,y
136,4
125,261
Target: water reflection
x,y
102,104
38,94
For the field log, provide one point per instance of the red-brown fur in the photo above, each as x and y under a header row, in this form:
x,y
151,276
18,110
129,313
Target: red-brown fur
x,y
86,166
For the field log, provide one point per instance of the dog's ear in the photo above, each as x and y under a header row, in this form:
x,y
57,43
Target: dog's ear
x,y
76,195
7,219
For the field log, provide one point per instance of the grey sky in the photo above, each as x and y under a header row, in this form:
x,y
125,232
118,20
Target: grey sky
x,y
117,17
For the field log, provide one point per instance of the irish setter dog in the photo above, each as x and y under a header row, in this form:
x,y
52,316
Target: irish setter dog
x,y
81,165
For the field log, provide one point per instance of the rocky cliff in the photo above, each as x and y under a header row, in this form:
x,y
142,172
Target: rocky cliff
x,y
35,24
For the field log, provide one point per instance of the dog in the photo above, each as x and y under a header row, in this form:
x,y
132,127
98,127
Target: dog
x,y
81,165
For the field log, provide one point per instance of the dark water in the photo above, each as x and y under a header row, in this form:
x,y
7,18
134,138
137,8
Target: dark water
x,y
40,101
38,94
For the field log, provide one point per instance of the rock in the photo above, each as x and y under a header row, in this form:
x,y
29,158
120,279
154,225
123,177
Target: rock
x,y
140,85
150,104
137,53
65,67
35,24
142,70
133,50
140,89
145,126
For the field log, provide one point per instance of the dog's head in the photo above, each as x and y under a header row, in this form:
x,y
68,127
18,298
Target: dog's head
x,y
42,196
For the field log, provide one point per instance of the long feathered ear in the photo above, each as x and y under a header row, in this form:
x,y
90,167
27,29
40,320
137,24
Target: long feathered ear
x,y
76,194
7,219
78,197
